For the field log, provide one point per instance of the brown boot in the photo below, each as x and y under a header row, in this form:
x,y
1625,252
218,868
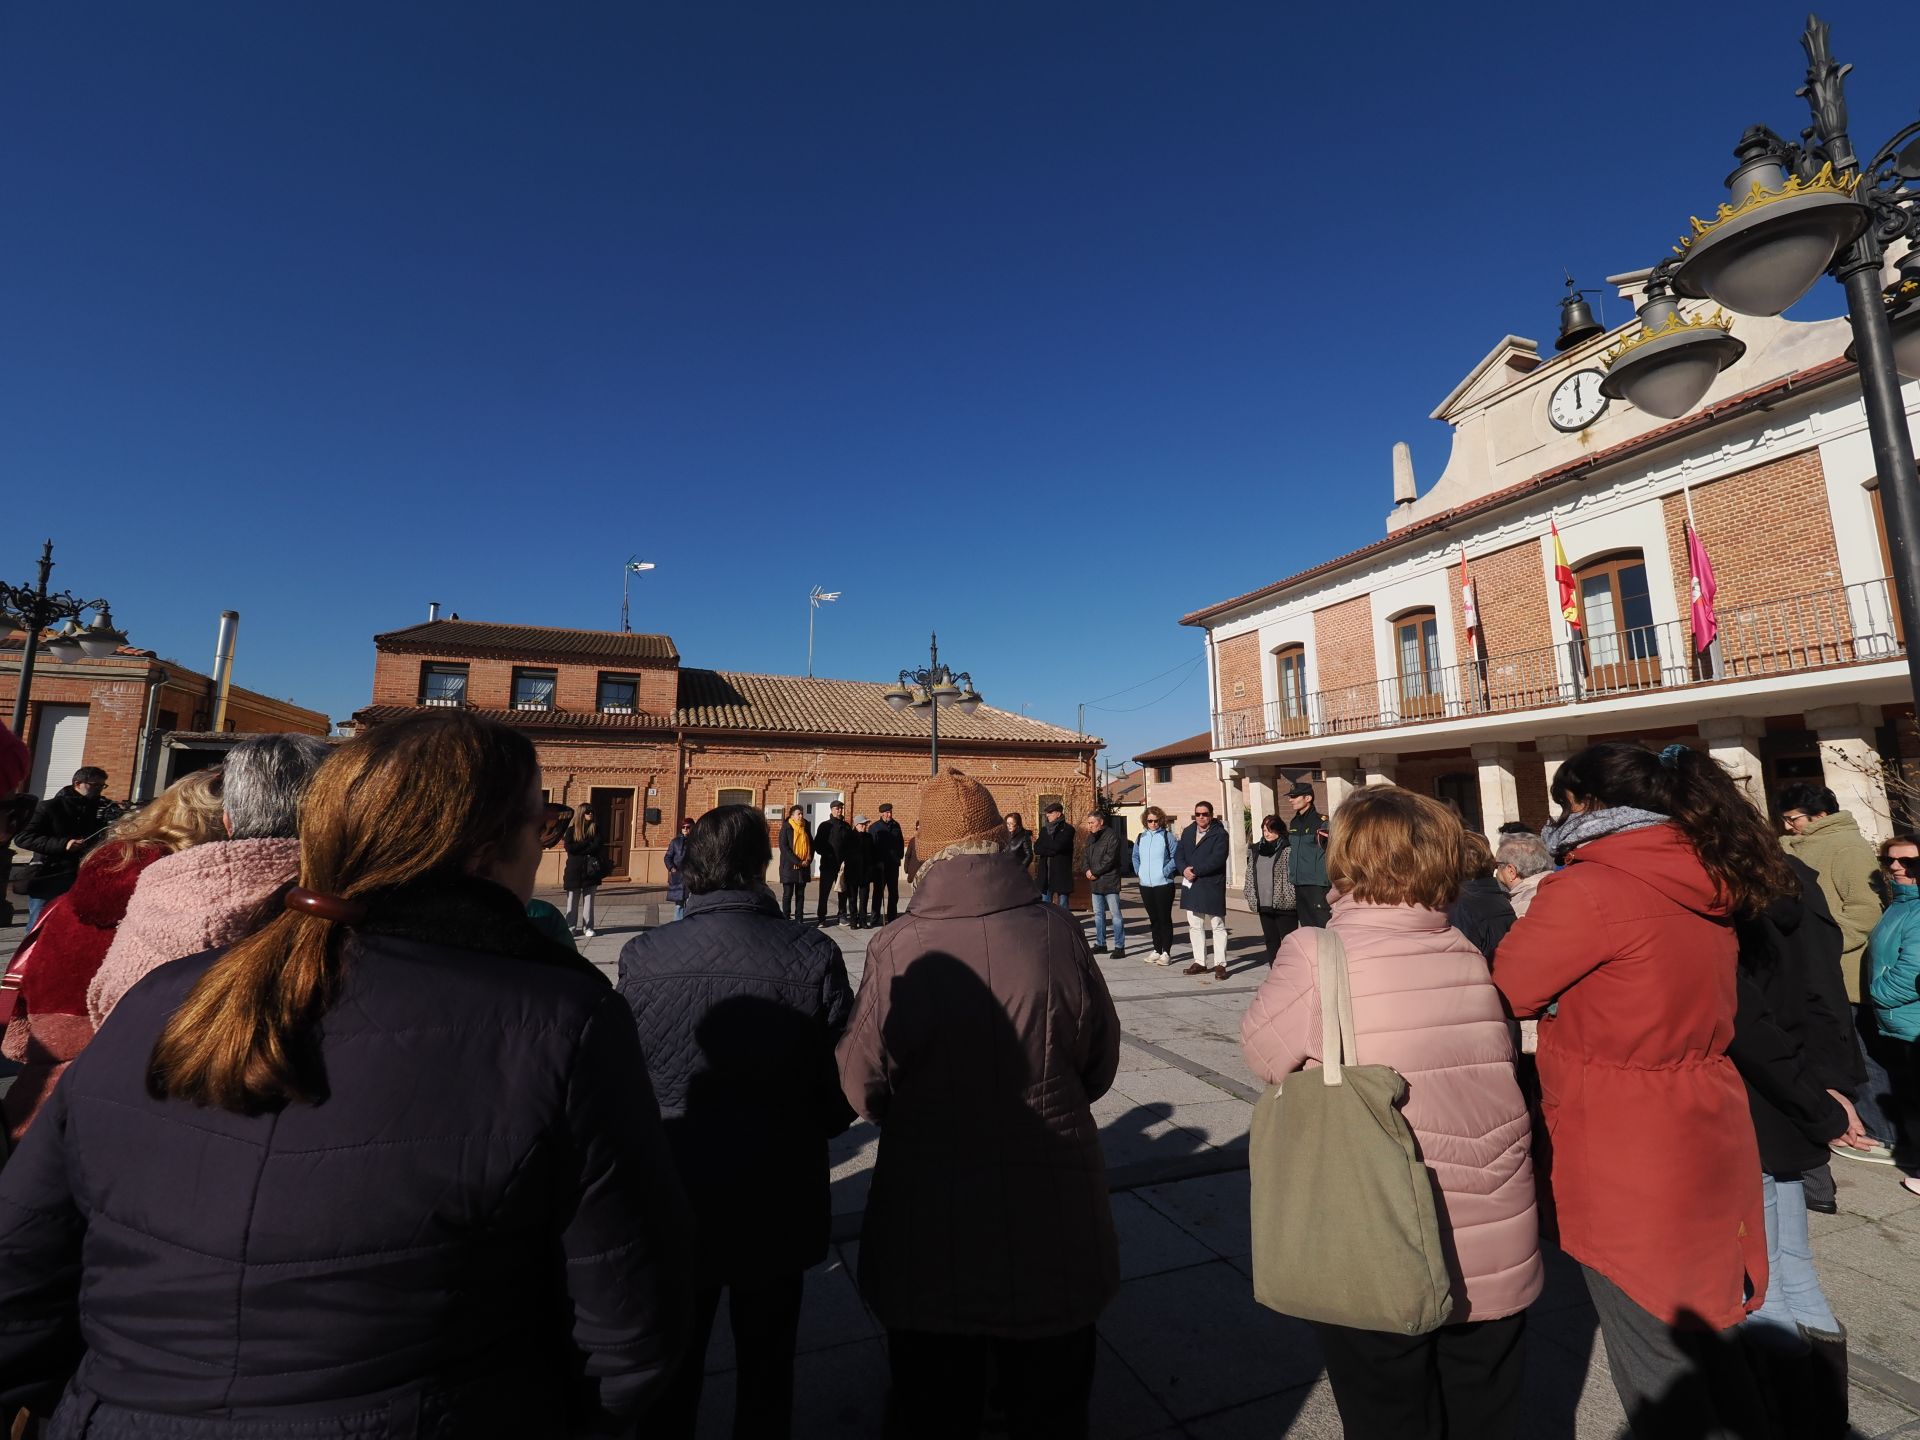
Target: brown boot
x,y
1219,972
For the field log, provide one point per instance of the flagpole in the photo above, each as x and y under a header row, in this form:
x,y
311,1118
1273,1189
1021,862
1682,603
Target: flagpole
x,y
1576,662
1712,653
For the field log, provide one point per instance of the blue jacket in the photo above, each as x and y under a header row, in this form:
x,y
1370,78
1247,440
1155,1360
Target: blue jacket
x,y
1893,965
1207,854
1153,857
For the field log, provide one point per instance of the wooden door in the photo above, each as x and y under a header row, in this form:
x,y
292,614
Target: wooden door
x,y
615,809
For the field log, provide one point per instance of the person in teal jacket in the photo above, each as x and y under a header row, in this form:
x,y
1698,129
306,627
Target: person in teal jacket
x,y
1893,965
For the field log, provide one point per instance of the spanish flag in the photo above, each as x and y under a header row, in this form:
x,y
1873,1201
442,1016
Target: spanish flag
x,y
1563,577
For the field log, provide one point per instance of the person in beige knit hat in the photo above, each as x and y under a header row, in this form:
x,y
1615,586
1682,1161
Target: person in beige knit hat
x,y
981,1035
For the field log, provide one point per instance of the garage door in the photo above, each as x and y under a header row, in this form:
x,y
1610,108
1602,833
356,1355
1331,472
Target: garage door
x,y
59,742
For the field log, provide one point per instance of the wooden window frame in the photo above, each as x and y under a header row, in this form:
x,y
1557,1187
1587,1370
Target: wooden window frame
x,y
1428,699
1886,555
1628,671
1290,710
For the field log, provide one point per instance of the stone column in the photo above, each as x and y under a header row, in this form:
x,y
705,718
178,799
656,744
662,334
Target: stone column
x,y
1734,740
1499,785
1342,781
1378,768
1555,751
1233,807
1261,799
1854,770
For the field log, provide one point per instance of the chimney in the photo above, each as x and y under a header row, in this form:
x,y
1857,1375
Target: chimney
x,y
1404,490
223,665
433,610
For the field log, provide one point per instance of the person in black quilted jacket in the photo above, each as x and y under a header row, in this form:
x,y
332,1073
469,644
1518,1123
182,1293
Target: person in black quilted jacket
x,y
739,1011
389,1166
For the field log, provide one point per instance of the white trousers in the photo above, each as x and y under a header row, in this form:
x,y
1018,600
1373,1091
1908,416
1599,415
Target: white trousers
x,y
580,908
1197,926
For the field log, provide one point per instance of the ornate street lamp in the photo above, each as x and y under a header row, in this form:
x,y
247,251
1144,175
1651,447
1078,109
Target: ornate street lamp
x,y
1794,212
930,688
33,609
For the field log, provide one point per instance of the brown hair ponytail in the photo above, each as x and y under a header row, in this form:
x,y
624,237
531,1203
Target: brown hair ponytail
x,y
424,795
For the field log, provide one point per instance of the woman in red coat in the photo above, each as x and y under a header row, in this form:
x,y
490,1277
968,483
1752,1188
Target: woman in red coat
x,y
50,1025
1630,956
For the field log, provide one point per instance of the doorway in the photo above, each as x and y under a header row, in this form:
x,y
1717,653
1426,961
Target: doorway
x,y
614,808
59,741
817,805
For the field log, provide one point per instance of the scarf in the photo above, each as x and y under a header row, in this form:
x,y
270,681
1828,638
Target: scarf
x,y
1573,830
802,851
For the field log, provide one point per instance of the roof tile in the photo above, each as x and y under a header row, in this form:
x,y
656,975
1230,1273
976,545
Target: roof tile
x,y
529,642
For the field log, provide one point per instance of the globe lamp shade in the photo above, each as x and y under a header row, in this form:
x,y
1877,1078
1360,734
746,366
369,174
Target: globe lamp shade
x,y
100,639
65,644
969,701
1765,252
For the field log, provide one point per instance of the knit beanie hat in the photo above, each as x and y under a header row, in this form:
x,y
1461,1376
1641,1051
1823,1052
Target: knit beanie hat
x,y
954,809
15,763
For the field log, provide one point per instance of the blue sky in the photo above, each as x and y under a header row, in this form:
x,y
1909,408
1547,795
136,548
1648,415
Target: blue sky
x,y
1037,323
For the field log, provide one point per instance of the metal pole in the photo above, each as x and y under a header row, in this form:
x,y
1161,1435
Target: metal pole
x,y
812,608
933,704
1892,444
626,581
31,649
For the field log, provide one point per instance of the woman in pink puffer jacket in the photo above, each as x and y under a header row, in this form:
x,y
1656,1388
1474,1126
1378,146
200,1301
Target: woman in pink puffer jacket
x,y
1424,1004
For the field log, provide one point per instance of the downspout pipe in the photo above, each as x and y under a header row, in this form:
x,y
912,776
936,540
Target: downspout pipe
x,y
142,788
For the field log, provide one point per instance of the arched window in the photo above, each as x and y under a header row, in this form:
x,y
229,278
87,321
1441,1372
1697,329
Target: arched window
x,y
1616,619
1416,649
1290,704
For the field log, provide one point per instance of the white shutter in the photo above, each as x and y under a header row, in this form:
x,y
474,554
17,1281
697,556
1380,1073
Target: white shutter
x,y
59,742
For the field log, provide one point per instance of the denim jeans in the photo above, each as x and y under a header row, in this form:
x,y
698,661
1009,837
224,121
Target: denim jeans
x,y
34,907
1103,906
1877,1101
1794,1297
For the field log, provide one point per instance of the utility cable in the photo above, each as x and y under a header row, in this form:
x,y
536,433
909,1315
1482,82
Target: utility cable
x,y
1131,709
1188,665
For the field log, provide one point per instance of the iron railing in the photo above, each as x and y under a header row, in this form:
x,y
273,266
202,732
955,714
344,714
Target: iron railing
x,y
1847,625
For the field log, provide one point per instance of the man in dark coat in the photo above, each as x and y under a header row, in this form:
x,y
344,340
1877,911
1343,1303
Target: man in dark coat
x,y
889,849
856,859
739,1011
1102,862
827,843
1053,847
1201,860
1307,857
59,835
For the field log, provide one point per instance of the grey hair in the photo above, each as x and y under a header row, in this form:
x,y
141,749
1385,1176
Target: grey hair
x,y
263,781
1527,854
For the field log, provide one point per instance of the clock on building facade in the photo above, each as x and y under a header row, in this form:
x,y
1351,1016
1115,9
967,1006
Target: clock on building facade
x,y
1577,402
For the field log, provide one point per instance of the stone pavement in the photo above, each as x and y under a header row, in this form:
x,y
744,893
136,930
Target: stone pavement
x,y
1184,1350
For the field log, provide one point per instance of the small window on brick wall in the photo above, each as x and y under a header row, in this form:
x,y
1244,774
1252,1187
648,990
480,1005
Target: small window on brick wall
x,y
533,689
733,795
1163,774
618,694
443,685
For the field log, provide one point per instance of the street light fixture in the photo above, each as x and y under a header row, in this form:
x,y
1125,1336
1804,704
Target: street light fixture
x,y
930,688
634,566
1794,212
33,608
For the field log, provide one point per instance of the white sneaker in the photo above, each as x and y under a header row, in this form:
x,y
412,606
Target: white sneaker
x,y
1163,958
588,934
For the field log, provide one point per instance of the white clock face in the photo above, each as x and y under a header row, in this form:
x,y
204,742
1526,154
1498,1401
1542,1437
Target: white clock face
x,y
1577,401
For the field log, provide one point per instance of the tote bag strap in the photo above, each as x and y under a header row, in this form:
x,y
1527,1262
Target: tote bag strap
x,y
1336,1009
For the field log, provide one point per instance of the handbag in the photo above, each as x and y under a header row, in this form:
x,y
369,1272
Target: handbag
x,y
1346,1223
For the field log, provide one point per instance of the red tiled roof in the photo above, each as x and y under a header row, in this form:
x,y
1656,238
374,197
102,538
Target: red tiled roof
x,y
529,719
1734,404
529,642
796,704
1193,747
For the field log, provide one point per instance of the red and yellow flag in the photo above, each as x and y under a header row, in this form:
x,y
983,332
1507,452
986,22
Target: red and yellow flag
x,y
1563,576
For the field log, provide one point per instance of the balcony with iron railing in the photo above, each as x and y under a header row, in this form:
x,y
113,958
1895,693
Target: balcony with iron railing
x,y
1848,625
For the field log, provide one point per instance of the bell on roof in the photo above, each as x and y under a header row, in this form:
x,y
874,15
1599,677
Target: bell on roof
x,y
1577,324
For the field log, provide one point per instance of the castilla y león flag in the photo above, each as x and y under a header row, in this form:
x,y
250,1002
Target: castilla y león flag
x,y
1563,577
1469,606
1705,625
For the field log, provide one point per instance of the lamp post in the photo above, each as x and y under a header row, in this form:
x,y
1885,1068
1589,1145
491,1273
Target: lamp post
x,y
1798,211
931,687
816,597
634,566
34,609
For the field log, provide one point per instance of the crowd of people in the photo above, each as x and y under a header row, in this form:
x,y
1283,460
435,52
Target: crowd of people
x,y
325,1128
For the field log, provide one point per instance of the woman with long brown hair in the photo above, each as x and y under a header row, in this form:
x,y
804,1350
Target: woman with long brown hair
x,y
585,869
50,1025
389,1165
1630,956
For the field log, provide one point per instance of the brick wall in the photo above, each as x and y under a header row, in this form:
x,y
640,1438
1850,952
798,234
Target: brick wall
x,y
1345,664
1516,624
1769,533
396,681
1239,679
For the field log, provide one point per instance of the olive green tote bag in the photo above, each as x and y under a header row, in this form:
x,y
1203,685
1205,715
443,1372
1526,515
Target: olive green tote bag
x,y
1346,1225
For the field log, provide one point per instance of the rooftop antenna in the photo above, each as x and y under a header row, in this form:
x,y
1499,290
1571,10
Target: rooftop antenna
x,y
634,566
816,597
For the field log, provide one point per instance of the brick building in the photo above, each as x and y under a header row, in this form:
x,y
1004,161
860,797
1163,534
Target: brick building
x,y
620,722
116,713
1360,666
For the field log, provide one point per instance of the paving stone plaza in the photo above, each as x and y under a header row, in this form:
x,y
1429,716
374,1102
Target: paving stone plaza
x,y
1184,1350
